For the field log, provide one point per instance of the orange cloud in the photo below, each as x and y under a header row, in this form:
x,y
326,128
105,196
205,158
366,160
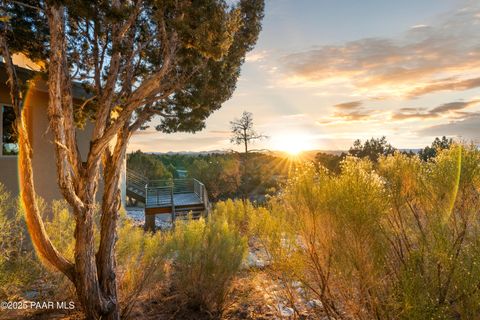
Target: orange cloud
x,y
348,105
426,59
415,113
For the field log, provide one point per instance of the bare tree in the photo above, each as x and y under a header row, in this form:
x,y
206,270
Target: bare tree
x,y
243,131
137,59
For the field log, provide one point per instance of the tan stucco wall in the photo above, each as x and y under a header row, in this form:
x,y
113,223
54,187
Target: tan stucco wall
x,y
44,168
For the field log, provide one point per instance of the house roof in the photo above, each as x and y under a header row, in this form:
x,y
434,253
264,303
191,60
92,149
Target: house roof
x,y
40,84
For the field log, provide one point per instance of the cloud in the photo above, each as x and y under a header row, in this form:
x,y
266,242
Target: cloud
x,y
424,60
466,128
295,116
353,116
145,132
348,105
446,85
256,56
349,116
446,108
453,106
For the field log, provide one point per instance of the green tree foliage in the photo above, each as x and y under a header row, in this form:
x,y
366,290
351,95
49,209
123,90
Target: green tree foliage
x,y
175,60
371,149
219,173
149,166
437,145
212,39
27,28
330,161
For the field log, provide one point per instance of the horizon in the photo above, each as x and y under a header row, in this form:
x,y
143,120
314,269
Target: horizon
x,y
404,70
222,151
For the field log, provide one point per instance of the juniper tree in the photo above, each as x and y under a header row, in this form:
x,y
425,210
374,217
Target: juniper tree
x,y
176,60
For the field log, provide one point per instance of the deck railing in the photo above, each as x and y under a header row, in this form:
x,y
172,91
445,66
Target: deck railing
x,y
201,192
136,179
159,196
160,193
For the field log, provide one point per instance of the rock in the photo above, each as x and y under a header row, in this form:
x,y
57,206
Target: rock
x,y
31,295
315,303
254,262
285,311
137,215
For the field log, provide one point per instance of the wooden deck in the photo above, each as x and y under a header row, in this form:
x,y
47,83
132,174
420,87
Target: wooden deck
x,y
177,197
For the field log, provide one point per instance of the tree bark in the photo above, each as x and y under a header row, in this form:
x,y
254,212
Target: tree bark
x,y
111,203
77,181
86,278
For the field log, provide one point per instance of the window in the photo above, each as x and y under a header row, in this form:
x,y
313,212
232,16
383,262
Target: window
x,y
9,136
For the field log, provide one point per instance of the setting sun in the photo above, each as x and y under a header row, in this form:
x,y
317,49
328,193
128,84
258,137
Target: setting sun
x,y
293,144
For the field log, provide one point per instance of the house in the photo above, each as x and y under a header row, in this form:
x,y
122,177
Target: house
x,y
43,160
181,173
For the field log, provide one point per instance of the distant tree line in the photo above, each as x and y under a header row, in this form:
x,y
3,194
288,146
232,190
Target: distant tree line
x,y
375,148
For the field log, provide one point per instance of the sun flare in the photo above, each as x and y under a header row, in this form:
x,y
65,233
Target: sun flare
x,y
293,144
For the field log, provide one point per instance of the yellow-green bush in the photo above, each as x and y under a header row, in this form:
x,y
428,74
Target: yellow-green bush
x,y
141,263
237,213
17,265
400,240
207,256
140,255
435,236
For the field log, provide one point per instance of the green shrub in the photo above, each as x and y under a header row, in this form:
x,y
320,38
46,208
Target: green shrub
x,y
207,256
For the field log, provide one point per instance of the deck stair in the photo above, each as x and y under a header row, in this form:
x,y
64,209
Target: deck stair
x,y
136,185
181,198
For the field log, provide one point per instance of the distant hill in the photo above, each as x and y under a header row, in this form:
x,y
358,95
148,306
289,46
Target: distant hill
x,y
309,154
191,153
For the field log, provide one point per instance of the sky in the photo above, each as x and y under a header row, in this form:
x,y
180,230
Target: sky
x,y
327,72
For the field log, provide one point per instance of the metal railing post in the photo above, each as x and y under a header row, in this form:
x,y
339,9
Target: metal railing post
x,y
173,205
